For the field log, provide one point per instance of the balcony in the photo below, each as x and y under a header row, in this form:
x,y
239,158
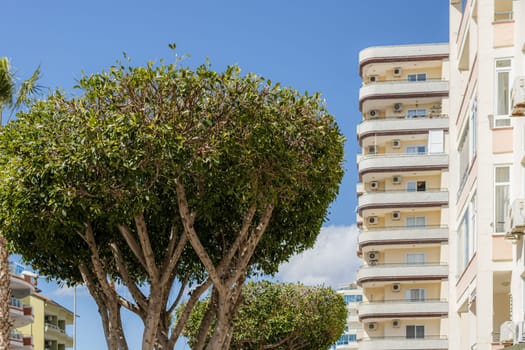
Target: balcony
x,y
21,315
403,235
402,199
20,342
49,327
401,272
402,343
401,162
374,311
400,125
399,89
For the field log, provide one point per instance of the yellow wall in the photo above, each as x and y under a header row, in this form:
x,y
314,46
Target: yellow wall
x,y
36,329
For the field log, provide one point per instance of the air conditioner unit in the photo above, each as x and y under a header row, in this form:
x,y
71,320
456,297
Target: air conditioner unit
x,y
396,287
372,220
519,335
372,149
517,97
396,143
396,323
515,221
397,71
374,113
506,331
396,179
396,215
374,185
398,107
372,256
373,78
372,326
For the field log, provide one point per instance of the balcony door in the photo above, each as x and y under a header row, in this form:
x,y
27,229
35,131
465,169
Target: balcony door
x,y
415,332
415,294
416,258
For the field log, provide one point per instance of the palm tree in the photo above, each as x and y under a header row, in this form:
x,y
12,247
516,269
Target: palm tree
x,y
11,97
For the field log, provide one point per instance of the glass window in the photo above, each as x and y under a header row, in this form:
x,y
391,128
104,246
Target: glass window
x,y
419,149
502,88
416,186
415,294
417,77
415,258
501,196
473,137
413,332
416,113
416,221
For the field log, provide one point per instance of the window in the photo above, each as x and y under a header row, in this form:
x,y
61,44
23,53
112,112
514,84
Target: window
x,y
501,196
416,186
419,149
502,10
415,332
416,221
416,113
415,294
463,242
435,141
473,132
417,77
416,258
502,88
473,232
352,298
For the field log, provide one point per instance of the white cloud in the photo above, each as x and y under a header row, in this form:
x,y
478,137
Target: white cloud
x,y
65,291
332,261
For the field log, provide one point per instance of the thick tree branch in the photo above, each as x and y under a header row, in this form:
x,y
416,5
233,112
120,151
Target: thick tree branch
x,y
171,264
135,292
184,316
147,250
133,244
178,298
241,237
248,249
188,220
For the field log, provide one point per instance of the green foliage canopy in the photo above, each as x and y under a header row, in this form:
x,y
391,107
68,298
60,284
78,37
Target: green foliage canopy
x,y
282,316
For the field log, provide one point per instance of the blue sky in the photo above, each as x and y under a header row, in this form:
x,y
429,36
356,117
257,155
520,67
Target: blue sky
x,y
310,45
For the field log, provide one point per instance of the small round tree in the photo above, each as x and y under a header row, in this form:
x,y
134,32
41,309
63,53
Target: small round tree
x,y
161,173
280,316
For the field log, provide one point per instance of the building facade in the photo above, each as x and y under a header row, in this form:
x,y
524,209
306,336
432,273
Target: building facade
x,y
51,319
353,296
402,193
486,172
22,284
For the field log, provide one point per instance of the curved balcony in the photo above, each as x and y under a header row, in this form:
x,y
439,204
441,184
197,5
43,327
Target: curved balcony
x,y
398,89
377,310
403,235
20,342
402,343
402,199
375,54
398,126
401,272
401,162
21,315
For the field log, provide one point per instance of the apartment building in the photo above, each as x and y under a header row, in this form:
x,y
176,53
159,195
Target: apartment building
x,y
22,284
353,296
486,172
49,329
402,193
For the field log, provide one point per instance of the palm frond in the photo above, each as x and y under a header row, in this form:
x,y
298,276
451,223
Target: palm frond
x,y
7,83
28,89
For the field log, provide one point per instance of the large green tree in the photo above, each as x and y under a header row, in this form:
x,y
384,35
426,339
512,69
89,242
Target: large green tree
x,y
280,316
162,173
12,96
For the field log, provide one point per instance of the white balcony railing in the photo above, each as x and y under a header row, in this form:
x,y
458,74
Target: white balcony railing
x,y
402,235
402,87
398,308
402,199
401,271
402,343
401,124
401,161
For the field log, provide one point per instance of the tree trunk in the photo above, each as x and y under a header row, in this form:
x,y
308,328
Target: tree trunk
x,y
5,294
152,320
223,322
